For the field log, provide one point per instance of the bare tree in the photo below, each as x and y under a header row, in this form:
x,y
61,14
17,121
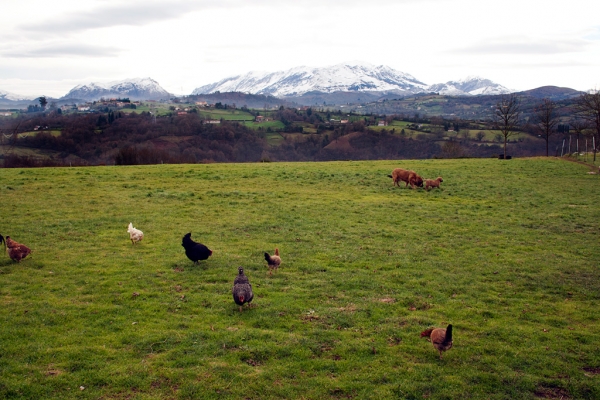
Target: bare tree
x,y
580,126
587,107
506,116
546,117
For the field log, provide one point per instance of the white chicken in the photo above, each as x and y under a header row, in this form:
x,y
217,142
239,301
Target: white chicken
x,y
134,234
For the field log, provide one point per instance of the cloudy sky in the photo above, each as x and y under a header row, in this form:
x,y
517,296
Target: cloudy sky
x,y
49,46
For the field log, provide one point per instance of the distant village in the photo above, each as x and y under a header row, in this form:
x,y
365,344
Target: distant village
x,y
177,107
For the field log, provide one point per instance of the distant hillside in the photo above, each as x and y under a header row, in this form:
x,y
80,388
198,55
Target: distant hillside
x,y
337,98
552,92
134,89
241,99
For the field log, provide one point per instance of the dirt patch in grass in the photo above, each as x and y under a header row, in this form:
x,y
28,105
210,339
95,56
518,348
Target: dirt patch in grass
x,y
349,308
251,362
543,392
53,372
387,300
592,370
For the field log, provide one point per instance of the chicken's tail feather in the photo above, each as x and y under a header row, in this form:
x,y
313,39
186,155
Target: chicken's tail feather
x,y
389,176
267,257
448,337
3,241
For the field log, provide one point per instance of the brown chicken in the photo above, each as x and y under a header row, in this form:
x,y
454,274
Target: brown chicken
x,y
273,261
16,251
440,338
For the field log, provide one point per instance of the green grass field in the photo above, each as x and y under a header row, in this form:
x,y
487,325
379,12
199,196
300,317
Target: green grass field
x,y
28,151
274,125
507,252
228,115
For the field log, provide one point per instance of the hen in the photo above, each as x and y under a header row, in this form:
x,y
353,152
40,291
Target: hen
x,y
242,289
440,338
195,251
16,251
134,234
273,261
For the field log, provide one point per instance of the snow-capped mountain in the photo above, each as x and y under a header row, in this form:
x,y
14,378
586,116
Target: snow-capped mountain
x,y
347,77
13,97
134,89
470,86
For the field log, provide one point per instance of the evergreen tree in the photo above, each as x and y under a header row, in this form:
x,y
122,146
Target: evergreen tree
x,y
43,102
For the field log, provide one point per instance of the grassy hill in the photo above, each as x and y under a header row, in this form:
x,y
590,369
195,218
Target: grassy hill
x,y
507,252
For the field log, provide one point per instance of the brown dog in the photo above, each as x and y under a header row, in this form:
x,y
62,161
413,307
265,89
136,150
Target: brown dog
x,y
407,176
433,183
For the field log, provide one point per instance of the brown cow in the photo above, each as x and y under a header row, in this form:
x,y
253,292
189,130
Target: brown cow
x,y
407,176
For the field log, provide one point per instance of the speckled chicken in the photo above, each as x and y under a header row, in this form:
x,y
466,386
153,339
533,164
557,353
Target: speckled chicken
x,y
16,251
134,234
440,338
273,261
242,289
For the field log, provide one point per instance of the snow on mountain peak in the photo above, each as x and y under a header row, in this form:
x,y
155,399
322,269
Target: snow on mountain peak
x,y
469,86
13,96
351,76
134,88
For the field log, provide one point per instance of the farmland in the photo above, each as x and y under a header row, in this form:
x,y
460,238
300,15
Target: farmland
x,y
193,131
507,252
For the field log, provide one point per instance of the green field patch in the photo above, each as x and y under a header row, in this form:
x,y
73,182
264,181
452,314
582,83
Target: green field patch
x,y
35,133
228,115
27,151
496,135
506,251
265,126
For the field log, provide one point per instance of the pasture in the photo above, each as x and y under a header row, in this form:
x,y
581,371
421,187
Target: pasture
x,y
507,252
228,115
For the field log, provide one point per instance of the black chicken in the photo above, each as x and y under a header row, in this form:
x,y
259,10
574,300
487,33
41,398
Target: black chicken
x,y
195,251
242,289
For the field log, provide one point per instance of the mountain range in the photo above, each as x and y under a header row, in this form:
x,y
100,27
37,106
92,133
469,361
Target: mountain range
x,y
337,84
347,77
351,77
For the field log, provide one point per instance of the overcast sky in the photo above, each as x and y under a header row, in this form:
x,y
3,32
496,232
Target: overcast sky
x,y
49,46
